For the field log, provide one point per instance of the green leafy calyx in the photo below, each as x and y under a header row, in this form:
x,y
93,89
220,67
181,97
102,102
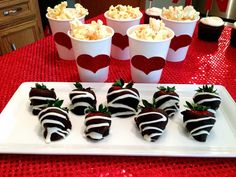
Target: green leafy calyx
x,y
101,108
78,85
166,89
206,88
119,82
56,103
146,104
40,86
196,107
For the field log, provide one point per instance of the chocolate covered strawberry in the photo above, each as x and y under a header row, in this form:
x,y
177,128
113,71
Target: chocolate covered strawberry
x,y
39,97
97,123
198,121
207,96
55,121
151,121
167,99
122,100
81,99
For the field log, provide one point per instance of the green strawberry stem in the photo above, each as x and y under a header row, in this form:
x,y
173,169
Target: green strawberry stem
x,y
129,85
78,85
56,103
167,89
119,82
101,108
196,107
206,88
146,104
40,86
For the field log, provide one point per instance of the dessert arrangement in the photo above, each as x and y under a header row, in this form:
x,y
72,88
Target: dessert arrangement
x,y
167,99
198,121
55,121
39,95
122,101
97,123
151,121
82,99
207,96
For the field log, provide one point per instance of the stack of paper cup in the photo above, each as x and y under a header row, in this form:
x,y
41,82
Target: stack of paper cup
x,y
62,40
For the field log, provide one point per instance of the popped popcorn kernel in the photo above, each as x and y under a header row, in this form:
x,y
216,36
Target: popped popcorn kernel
x,y
154,31
93,31
180,13
123,12
61,12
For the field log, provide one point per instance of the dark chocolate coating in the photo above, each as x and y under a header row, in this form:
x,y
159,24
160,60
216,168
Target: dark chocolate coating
x,y
209,33
101,123
55,126
39,103
210,100
82,98
233,37
123,103
151,122
202,123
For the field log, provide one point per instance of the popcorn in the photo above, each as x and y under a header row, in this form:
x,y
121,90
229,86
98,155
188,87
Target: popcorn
x,y
179,13
122,12
93,31
62,13
154,31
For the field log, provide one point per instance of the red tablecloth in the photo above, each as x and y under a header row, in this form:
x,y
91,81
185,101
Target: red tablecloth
x,y
206,62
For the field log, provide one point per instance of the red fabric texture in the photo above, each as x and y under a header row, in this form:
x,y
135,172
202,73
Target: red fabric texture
x,y
206,63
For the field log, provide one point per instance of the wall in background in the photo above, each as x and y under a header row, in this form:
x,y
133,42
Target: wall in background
x,y
164,3
71,3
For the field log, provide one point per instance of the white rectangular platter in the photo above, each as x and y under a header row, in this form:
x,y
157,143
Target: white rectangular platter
x,y
20,131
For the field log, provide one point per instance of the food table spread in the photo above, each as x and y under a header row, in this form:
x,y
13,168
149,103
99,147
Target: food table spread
x,y
206,63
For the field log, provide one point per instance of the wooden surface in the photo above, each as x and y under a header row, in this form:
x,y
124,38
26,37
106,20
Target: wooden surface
x,y
97,7
21,26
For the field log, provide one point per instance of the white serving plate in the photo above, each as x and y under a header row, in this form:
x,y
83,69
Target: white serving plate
x,y
20,131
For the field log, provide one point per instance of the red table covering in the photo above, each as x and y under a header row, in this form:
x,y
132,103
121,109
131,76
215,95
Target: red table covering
x,y
206,62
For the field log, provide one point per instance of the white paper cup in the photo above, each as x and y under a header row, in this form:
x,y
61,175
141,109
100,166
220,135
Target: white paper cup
x,y
147,57
120,45
183,36
62,40
92,57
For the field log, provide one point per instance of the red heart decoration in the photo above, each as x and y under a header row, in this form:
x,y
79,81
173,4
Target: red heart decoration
x,y
93,63
63,39
147,65
120,41
180,41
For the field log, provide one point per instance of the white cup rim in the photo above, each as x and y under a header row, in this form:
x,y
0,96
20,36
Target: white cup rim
x,y
176,21
65,20
154,41
92,41
123,20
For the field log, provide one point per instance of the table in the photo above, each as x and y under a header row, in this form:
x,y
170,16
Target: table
x,y
206,62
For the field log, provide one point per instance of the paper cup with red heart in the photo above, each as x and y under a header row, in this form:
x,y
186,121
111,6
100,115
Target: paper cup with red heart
x,y
93,56
183,37
147,57
62,40
120,44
